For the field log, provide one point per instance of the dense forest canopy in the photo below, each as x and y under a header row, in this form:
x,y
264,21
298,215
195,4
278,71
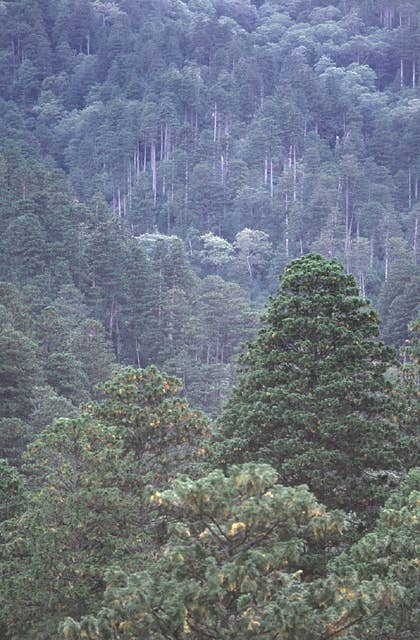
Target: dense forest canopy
x,y
242,133
162,163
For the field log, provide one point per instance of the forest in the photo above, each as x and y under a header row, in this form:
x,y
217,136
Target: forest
x,y
210,329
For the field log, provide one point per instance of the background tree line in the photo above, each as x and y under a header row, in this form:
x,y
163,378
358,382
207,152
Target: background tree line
x,y
278,127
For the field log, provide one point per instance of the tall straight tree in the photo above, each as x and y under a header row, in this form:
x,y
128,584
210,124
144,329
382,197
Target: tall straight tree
x,y
313,400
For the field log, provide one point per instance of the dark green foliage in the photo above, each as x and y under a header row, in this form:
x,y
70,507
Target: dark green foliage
x,y
390,552
234,564
87,507
164,162
313,400
54,553
157,426
11,491
18,373
293,119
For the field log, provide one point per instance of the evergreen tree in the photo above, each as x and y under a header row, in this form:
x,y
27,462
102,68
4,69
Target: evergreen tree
x,y
231,568
160,428
234,567
390,553
313,400
55,551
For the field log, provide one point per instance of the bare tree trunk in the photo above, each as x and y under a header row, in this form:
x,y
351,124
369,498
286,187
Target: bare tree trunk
x,y
347,216
130,185
215,123
401,73
294,174
153,165
413,74
138,353
167,151
415,237
168,217
362,284
286,223
271,182
186,190
119,203
265,170
248,262
409,188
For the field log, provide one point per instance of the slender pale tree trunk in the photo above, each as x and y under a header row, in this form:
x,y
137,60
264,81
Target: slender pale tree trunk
x,y
215,123
186,190
153,166
271,182
409,188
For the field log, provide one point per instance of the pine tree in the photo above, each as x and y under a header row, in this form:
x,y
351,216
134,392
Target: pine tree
x,y
313,400
232,566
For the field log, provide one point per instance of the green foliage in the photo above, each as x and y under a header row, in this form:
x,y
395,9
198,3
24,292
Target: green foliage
x,y
11,491
232,566
312,400
18,373
156,424
391,552
55,551
219,139
86,508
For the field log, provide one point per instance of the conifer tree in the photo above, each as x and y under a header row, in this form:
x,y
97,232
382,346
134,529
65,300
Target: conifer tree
x,y
313,400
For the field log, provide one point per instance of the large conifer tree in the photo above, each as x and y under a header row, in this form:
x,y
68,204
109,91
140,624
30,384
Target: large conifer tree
x,y
313,400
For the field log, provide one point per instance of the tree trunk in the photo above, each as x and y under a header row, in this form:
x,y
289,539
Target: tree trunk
x,y
409,188
153,166
186,190
138,353
271,182
215,123
347,216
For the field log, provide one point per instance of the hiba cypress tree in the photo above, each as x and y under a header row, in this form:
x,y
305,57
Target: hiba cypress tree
x,y
313,400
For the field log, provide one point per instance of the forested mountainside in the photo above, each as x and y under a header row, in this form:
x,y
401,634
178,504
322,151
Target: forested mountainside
x,y
293,124
162,162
